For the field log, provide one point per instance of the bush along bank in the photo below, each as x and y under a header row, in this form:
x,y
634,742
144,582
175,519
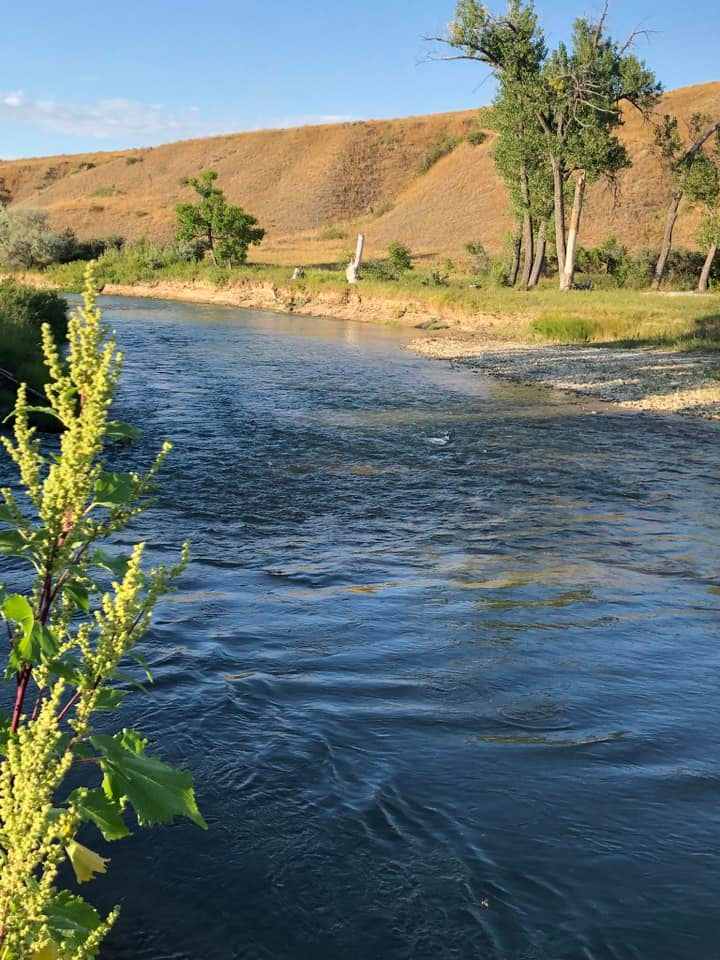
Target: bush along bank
x,y
23,311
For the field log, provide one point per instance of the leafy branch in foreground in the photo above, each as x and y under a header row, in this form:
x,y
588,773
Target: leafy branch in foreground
x,y
67,639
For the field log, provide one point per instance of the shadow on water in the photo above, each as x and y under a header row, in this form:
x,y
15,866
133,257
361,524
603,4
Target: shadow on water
x,y
440,702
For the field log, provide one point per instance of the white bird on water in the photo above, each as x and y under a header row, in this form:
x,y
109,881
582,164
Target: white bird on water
x,y
443,440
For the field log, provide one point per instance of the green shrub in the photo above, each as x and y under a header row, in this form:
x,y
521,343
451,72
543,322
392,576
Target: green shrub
x,y
131,160
400,257
23,310
333,233
27,242
441,148
480,262
477,137
436,279
381,270
563,329
21,305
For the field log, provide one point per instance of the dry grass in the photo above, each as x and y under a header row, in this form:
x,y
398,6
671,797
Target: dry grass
x,y
350,176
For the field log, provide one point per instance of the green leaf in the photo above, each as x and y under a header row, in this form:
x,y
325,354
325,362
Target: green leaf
x,y
132,740
109,698
117,565
6,514
117,430
68,667
43,644
79,596
12,542
71,920
17,608
114,489
95,807
157,792
5,722
48,411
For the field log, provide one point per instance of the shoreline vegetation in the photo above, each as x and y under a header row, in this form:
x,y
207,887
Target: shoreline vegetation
x,y
643,350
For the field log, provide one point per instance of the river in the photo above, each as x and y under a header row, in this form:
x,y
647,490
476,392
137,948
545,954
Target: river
x,y
441,701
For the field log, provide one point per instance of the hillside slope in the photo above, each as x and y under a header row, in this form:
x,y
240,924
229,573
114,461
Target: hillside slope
x,y
302,182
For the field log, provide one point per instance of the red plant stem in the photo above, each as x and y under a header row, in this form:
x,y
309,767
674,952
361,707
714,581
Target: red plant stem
x,y
22,685
69,705
26,672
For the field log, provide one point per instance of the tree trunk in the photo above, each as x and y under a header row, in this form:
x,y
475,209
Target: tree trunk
x,y
528,231
568,274
211,245
515,263
703,283
353,268
539,255
559,200
670,222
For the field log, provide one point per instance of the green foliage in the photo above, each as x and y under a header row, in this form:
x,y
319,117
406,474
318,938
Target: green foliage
x,y
27,242
381,270
21,305
563,329
333,233
70,636
400,257
224,230
479,258
436,278
476,137
23,310
441,148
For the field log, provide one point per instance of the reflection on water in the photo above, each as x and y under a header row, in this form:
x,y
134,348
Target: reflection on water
x,y
440,702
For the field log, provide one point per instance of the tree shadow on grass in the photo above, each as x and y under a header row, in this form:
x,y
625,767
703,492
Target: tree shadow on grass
x,y
704,336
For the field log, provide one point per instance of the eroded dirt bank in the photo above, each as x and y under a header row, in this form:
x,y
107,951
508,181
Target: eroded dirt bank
x,y
638,379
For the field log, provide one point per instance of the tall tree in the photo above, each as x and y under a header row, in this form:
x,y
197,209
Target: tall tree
x,y
574,98
586,87
686,166
513,46
214,225
518,158
710,241
707,191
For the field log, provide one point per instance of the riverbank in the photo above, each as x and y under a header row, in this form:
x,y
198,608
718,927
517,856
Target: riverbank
x,y
665,358
643,378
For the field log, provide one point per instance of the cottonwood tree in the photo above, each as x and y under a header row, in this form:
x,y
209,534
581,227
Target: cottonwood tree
x,y
574,98
709,239
513,46
687,166
586,87
518,161
214,225
709,232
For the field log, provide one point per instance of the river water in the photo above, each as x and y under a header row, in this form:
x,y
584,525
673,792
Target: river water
x,y
440,701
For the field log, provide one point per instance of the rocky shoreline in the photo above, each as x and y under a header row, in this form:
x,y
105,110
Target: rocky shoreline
x,y
649,379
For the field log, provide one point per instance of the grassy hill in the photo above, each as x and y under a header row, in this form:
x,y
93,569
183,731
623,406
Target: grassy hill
x,y
313,187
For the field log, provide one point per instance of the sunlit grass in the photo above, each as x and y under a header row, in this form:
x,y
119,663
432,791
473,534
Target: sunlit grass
x,y
616,316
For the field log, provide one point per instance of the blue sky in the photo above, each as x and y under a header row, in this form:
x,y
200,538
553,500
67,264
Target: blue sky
x,y
103,75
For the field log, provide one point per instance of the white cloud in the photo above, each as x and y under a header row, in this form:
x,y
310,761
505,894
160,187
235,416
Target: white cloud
x,y
130,121
105,119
